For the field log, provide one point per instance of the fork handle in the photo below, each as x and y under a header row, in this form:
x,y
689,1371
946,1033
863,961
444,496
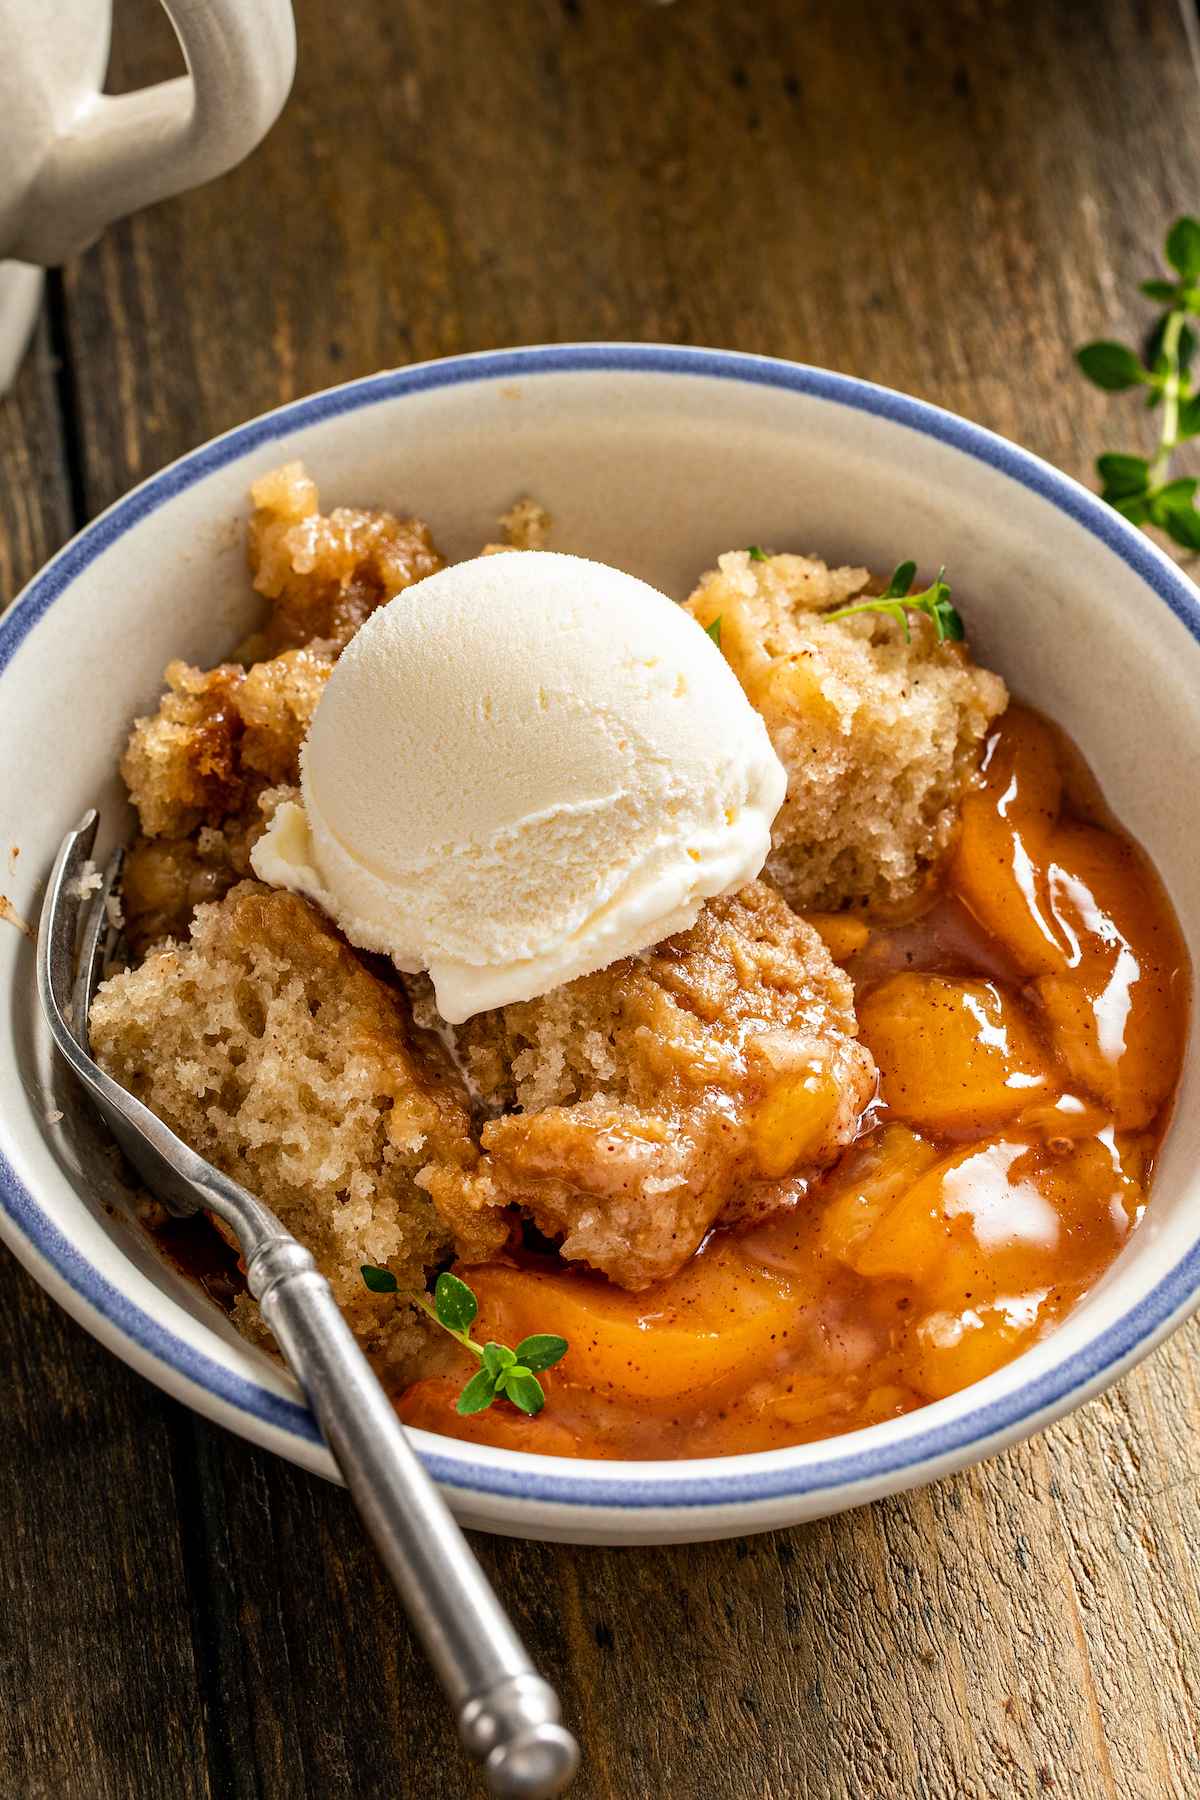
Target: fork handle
x,y
508,1717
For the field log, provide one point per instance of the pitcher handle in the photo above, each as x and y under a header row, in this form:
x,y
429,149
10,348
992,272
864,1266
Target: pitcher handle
x,y
119,154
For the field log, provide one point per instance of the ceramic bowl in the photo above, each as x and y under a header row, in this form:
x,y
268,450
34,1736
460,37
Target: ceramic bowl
x,y
653,459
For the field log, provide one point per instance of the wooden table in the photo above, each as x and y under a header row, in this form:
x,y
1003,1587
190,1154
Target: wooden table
x,y
943,195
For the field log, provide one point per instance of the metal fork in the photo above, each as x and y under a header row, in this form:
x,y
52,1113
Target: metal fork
x,y
508,1717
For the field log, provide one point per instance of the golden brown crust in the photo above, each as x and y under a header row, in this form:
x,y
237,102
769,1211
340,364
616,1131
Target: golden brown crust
x,y
628,1111
879,737
327,573
219,737
182,765
197,769
276,702
656,1094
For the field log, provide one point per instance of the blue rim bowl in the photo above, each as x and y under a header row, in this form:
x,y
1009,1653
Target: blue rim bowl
x,y
648,454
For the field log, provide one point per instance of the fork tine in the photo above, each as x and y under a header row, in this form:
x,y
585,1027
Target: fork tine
x,y
99,937
60,919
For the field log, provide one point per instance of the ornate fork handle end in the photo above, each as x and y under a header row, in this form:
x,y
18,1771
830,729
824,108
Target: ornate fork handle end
x,y
515,1731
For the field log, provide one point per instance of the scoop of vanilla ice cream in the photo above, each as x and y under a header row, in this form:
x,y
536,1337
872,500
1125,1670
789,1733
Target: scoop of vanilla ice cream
x,y
521,769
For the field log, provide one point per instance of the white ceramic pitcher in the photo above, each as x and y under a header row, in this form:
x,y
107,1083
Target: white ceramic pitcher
x,y
73,159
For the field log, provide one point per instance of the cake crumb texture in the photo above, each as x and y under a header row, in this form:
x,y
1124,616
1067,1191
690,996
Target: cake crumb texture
x,y
278,1055
219,737
222,737
879,737
670,1091
526,526
166,878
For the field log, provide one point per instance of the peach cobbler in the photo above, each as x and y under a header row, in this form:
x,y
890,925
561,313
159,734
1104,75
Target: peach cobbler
x,y
850,1138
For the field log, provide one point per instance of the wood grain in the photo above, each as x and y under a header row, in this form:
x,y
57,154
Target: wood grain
x,y
35,490
946,198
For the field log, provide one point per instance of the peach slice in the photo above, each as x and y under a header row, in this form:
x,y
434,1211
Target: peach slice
x,y
790,1125
1005,829
874,1180
1117,1011
719,1316
959,1349
952,1054
983,1203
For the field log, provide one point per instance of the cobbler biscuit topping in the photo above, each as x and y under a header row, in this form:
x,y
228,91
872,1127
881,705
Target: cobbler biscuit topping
x,y
852,1139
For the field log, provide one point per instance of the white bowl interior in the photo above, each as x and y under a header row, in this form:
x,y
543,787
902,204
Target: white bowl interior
x,y
655,471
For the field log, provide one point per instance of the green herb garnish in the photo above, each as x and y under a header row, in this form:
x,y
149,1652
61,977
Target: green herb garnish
x,y
1135,486
755,554
714,630
898,602
511,1373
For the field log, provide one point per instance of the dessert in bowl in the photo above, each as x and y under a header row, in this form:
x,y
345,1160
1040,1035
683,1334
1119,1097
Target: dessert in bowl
x,y
655,462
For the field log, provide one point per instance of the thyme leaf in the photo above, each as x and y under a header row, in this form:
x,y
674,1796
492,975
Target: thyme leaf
x,y
897,602
1138,486
512,1374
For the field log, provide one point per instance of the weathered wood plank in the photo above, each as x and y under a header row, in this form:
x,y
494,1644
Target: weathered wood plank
x,y
947,200
97,1668
35,492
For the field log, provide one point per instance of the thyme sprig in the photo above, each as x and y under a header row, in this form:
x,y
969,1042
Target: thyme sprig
x,y
1136,486
896,600
511,1373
